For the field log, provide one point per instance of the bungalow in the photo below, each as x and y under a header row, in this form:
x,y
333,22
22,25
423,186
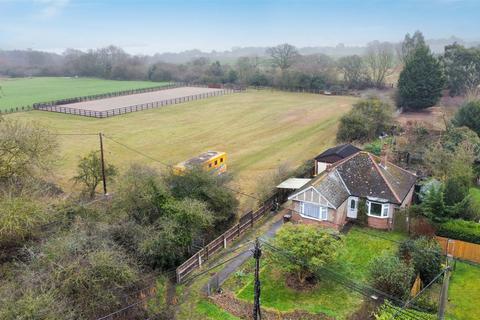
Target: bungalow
x,y
333,197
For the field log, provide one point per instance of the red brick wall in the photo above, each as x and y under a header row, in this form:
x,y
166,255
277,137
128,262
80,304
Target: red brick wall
x,y
378,223
297,218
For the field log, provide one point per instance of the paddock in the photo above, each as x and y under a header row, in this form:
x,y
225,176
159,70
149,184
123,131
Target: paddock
x,y
103,108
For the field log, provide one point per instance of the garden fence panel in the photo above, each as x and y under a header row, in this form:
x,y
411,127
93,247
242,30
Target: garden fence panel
x,y
460,249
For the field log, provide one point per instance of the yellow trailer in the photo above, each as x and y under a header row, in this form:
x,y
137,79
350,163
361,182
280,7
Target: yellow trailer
x,y
211,161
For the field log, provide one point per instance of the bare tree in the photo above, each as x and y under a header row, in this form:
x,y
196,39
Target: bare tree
x,y
379,59
283,55
409,45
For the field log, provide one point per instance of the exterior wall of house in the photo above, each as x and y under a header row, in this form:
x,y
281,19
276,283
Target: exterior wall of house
x,y
341,214
408,199
383,223
297,218
320,167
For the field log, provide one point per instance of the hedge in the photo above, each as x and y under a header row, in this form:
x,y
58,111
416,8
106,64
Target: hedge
x,y
461,230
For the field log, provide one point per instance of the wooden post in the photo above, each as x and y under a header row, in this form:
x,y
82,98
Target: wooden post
x,y
224,242
199,260
103,165
444,291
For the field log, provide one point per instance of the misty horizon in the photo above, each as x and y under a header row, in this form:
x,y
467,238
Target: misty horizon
x,y
147,27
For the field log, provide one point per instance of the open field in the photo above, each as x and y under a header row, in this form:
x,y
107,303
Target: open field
x,y
259,130
17,92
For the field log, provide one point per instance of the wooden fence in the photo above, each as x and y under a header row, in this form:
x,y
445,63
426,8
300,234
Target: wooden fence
x,y
245,223
133,108
460,249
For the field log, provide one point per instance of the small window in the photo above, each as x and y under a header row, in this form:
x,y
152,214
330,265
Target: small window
x,y
209,165
353,204
216,162
221,160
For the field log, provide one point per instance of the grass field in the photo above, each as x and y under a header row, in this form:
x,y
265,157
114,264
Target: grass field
x,y
259,130
17,92
464,293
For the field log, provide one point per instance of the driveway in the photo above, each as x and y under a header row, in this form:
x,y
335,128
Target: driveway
x,y
220,277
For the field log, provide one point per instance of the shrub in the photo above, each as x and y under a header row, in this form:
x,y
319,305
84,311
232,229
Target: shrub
x,y
391,275
367,120
203,186
425,255
387,311
469,116
27,148
89,280
33,305
20,218
468,231
309,247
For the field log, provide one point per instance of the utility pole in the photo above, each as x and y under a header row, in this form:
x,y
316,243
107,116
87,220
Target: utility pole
x,y
103,164
444,292
257,253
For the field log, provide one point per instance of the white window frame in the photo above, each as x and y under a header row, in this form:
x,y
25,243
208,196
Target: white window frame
x,y
323,211
385,213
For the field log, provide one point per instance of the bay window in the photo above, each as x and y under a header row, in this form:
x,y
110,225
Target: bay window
x,y
376,209
313,211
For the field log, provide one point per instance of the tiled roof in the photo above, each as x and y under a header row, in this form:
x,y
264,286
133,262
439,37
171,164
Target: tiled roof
x,y
333,189
339,152
362,175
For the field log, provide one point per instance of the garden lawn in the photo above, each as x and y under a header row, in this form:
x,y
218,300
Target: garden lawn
x,y
210,311
18,92
464,292
329,297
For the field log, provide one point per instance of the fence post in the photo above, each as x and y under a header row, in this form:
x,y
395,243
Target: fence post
x,y
224,242
199,260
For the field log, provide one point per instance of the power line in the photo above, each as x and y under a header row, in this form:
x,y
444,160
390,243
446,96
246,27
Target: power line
x,y
171,167
344,281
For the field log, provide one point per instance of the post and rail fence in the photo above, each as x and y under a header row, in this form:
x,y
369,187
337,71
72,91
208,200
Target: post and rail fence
x,y
132,108
246,222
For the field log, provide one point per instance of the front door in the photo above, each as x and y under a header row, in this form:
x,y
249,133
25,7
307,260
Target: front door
x,y
352,207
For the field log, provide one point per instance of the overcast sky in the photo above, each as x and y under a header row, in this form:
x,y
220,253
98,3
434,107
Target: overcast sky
x,y
159,26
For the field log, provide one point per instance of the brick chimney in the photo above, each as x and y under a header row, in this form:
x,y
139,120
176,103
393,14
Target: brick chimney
x,y
384,156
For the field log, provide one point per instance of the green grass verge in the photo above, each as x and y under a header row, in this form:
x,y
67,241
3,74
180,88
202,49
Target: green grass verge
x,y
211,312
464,292
18,92
328,297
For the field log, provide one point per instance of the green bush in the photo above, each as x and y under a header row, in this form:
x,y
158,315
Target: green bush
x,y
468,231
391,275
20,218
367,120
33,305
469,116
309,248
425,255
386,312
